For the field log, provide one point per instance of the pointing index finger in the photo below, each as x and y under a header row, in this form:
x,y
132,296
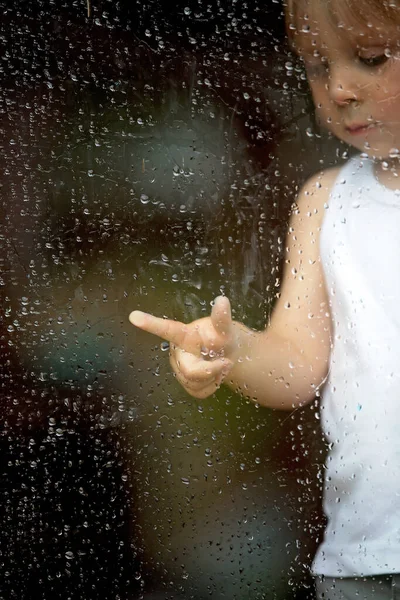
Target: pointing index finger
x,y
173,331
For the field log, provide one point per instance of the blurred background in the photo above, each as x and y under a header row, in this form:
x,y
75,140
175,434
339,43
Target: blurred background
x,y
150,154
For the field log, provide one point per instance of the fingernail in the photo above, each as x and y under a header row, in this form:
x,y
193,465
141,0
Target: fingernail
x,y
228,366
136,318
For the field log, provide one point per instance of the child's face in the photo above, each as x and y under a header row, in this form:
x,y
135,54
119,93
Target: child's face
x,y
354,74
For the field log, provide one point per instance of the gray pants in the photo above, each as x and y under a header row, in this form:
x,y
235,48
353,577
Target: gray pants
x,y
380,587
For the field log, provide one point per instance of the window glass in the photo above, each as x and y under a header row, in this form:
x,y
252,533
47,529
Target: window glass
x,y
150,154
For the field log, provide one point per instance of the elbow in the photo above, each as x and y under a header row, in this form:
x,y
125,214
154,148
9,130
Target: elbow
x,y
295,392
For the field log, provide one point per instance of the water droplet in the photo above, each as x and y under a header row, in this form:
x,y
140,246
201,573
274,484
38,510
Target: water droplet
x,y
144,199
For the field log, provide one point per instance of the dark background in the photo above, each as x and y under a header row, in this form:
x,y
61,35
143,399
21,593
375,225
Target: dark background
x,y
150,154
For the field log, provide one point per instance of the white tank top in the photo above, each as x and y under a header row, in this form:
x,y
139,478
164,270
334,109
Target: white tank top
x,y
360,411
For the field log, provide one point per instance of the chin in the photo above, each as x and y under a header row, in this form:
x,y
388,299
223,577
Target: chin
x,y
374,153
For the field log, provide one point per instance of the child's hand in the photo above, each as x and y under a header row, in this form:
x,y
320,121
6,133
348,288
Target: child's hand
x,y
201,352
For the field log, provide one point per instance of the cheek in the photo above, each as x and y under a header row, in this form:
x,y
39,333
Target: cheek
x,y
325,114
386,97
323,106
388,100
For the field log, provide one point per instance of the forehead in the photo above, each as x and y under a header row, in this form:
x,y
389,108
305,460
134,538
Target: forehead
x,y
313,23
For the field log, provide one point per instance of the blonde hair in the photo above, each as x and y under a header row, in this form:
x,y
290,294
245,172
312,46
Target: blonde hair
x,y
360,11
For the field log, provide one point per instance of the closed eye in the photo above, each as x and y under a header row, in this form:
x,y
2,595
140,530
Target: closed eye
x,y
373,61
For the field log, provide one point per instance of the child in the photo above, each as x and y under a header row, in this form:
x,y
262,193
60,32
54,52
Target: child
x,y
336,323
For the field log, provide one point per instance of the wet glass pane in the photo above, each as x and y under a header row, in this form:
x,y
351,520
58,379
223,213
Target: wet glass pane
x,y
150,155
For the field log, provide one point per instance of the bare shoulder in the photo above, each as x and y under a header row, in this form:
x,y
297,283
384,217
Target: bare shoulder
x,y
316,191
326,178
308,213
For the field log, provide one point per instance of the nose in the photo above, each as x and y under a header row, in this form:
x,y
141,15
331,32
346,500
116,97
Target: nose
x,y
343,86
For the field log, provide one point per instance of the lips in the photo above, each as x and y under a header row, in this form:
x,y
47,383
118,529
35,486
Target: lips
x,y
359,128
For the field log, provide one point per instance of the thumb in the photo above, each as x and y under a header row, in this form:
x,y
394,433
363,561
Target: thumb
x,y
221,316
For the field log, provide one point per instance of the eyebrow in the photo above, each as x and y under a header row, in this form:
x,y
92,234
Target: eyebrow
x,y
372,38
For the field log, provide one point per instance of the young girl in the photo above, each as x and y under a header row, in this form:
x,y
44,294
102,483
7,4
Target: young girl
x,y
336,325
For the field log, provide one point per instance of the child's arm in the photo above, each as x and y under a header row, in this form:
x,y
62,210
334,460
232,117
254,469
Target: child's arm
x,y
282,366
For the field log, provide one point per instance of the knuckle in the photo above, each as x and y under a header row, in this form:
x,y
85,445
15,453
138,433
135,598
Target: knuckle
x,y
186,370
173,351
174,366
202,394
214,340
